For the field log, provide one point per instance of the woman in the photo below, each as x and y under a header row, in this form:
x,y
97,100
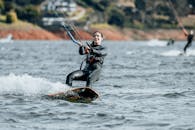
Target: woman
x,y
95,54
189,39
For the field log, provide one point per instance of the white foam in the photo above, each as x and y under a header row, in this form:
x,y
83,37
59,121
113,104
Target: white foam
x,y
28,85
129,52
156,42
171,53
190,52
178,53
8,39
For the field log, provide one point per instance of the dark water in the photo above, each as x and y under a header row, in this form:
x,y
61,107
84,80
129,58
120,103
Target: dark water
x,y
145,85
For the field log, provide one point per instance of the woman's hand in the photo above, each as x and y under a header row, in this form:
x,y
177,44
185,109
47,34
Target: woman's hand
x,y
87,49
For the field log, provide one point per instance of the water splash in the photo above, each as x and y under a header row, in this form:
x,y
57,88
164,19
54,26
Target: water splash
x,y
190,52
179,53
172,53
28,85
156,42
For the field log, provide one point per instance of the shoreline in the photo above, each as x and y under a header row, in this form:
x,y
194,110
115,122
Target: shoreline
x,y
109,34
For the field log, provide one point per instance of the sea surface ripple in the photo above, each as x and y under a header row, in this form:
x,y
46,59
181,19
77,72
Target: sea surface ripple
x,y
144,85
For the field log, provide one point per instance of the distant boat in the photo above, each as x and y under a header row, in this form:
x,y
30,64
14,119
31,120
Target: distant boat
x,y
8,39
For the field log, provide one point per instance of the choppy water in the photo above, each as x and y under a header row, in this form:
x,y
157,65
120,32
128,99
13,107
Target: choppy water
x,y
143,86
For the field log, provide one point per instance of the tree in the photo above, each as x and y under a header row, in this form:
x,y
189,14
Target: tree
x,y
29,13
28,2
1,6
9,5
140,4
11,17
180,6
116,17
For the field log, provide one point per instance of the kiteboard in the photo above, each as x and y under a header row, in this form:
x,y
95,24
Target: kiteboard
x,y
77,95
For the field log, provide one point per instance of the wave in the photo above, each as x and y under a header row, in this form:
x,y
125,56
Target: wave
x,y
179,53
156,42
174,95
28,85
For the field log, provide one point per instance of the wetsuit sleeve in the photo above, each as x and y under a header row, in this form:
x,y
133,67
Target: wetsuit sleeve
x,y
100,52
190,38
81,50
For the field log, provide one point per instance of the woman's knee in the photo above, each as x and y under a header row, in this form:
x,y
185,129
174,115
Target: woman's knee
x,y
69,76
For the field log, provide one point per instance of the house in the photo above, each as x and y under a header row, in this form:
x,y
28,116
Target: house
x,y
57,6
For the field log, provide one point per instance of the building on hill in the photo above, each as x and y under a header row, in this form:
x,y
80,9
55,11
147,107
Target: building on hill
x,y
126,3
59,5
65,7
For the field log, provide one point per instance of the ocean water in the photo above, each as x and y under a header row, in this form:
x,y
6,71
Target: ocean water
x,y
144,85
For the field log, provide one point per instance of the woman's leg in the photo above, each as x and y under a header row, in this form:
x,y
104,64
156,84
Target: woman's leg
x,y
93,76
76,75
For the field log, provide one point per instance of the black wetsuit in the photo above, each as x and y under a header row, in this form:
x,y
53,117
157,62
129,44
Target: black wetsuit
x,y
189,43
94,62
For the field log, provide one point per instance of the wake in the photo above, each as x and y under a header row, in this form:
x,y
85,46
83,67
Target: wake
x,y
28,85
156,42
179,53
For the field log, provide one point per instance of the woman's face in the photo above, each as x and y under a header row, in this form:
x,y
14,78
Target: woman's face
x,y
97,38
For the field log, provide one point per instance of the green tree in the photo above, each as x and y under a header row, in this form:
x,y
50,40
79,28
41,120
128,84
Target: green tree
x,y
23,2
192,6
28,2
36,2
180,6
116,17
140,4
1,6
29,13
9,5
11,17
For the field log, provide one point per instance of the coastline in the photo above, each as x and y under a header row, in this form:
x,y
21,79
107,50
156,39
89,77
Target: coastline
x,y
109,34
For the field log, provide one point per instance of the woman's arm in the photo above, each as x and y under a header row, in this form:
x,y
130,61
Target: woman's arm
x,y
185,32
84,50
100,52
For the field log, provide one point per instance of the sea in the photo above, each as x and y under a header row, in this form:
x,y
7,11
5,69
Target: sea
x,y
144,85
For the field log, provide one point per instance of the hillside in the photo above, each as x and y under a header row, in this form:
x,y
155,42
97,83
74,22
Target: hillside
x,y
117,19
137,14
26,31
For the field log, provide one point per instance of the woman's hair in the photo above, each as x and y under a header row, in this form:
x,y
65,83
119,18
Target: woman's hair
x,y
98,32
